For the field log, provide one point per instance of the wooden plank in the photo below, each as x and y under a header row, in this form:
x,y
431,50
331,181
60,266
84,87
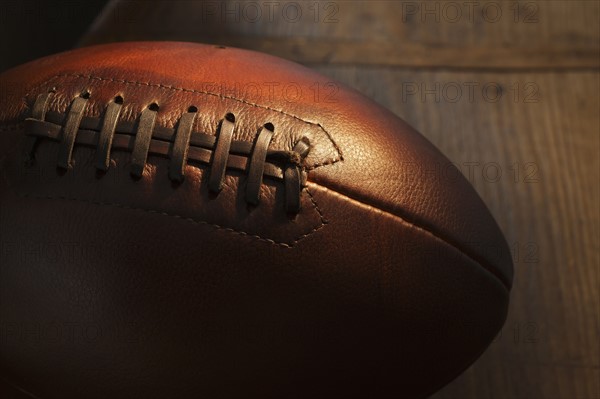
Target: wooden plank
x,y
420,34
416,55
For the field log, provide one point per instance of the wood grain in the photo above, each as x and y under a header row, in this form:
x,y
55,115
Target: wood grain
x,y
514,103
425,34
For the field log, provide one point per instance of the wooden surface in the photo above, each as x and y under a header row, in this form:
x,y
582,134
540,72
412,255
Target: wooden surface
x,y
532,151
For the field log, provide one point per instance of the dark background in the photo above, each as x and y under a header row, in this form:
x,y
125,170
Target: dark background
x,y
34,28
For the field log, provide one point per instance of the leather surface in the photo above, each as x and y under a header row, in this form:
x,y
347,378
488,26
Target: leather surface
x,y
391,280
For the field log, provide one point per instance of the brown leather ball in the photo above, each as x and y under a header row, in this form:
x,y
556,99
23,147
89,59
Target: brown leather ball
x,y
190,221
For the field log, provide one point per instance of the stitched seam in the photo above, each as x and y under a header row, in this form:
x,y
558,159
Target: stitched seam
x,y
171,141
347,198
312,199
340,156
287,245
300,148
143,139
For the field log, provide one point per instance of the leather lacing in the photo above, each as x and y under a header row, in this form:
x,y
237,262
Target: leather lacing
x,y
180,145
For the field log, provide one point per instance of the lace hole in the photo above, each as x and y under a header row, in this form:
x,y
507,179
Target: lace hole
x,y
153,107
269,126
230,117
192,109
118,100
85,94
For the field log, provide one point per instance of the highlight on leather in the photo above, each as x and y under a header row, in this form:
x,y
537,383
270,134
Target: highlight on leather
x,y
70,131
142,141
220,155
257,164
107,133
182,145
